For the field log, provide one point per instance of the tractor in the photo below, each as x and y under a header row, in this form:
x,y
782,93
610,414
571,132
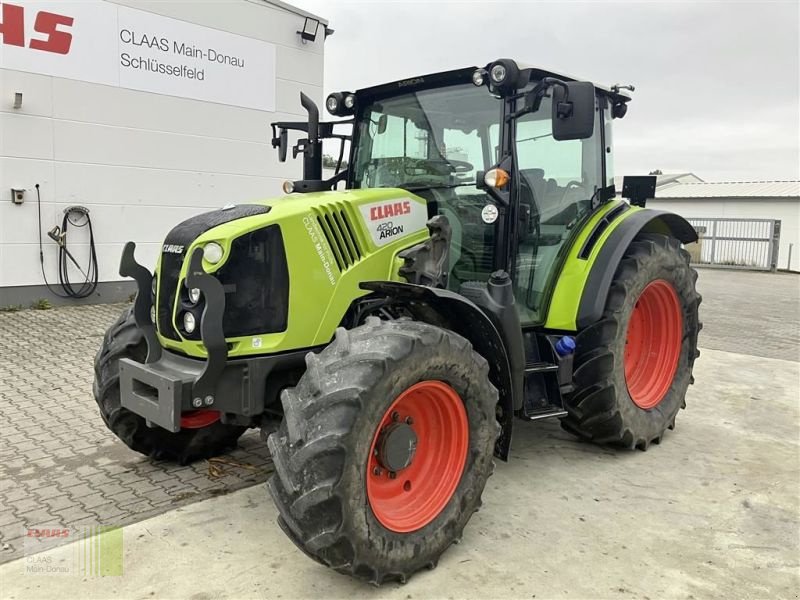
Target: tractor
x,y
470,263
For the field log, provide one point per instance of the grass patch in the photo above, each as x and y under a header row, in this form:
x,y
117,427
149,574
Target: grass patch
x,y
41,304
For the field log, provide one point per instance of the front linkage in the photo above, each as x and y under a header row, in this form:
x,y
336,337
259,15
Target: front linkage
x,y
168,388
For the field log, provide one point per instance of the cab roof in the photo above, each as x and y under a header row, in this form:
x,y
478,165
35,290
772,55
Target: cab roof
x,y
464,75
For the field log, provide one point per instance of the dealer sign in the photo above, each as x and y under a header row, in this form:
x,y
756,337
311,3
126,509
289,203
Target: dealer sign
x,y
104,43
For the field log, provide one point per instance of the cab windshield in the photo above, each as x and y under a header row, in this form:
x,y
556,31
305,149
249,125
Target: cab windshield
x,y
429,138
433,142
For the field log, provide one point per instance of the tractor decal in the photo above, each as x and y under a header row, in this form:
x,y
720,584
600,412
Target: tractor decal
x,y
389,229
320,247
389,220
391,209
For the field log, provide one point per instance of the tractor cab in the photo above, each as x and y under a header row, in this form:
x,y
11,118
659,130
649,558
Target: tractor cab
x,y
513,156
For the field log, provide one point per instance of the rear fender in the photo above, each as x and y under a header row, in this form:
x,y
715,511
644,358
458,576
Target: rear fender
x,y
595,292
453,311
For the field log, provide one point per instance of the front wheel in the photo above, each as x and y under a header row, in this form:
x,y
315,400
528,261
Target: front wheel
x,y
634,366
385,448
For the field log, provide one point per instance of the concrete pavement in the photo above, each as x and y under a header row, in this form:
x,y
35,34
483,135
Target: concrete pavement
x,y
750,312
712,512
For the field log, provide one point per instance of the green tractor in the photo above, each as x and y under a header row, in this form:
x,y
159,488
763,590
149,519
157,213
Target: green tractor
x,y
477,266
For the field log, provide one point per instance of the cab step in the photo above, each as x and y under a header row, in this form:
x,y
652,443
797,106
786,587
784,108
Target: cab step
x,y
541,367
545,413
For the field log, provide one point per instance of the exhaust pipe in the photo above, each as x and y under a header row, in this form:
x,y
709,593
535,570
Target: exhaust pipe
x,y
312,153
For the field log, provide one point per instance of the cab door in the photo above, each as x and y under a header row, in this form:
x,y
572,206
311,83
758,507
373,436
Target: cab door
x,y
558,183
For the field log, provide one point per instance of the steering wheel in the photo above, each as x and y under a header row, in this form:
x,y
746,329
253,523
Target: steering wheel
x,y
460,166
572,185
435,166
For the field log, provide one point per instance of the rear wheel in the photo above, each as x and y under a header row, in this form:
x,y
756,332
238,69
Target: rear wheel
x,y
385,448
202,435
634,366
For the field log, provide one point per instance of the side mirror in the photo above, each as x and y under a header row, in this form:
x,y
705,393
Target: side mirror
x,y
382,121
573,110
283,144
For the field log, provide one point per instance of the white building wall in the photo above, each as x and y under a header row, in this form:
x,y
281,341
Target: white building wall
x,y
142,162
785,209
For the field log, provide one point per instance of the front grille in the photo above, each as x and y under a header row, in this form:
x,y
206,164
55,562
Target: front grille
x,y
168,288
256,282
180,238
340,234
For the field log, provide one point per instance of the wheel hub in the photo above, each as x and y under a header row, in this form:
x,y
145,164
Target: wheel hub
x,y
396,446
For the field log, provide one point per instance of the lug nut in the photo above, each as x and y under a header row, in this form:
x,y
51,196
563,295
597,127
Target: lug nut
x,y
409,421
395,416
376,471
392,475
209,400
197,402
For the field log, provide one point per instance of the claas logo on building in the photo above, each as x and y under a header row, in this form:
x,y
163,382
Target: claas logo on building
x,y
49,26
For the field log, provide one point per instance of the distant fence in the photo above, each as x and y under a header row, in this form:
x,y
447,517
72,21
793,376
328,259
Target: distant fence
x,y
736,243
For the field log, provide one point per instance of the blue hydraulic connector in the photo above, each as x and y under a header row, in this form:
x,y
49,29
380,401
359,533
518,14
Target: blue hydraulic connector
x,y
565,346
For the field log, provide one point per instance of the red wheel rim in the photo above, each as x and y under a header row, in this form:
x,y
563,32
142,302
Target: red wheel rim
x,y
653,344
420,491
197,419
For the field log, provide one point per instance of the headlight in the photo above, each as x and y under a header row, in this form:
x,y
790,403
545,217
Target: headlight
x,y
332,104
213,252
504,76
477,77
340,104
189,322
194,295
498,73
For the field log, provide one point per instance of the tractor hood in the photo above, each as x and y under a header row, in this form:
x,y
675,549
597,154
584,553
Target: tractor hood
x,y
291,266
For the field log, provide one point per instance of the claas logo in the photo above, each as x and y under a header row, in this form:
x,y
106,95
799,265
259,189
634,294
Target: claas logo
x,y
49,26
392,209
47,532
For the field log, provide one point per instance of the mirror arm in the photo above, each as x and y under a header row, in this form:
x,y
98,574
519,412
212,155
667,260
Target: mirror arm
x,y
280,130
533,99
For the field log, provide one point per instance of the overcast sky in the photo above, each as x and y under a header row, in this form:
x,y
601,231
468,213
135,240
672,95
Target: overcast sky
x,y
716,82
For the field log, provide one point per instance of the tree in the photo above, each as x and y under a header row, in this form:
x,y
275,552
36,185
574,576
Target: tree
x,y
329,162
